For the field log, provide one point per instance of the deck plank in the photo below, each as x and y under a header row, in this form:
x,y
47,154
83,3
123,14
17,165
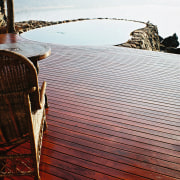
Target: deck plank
x,y
114,113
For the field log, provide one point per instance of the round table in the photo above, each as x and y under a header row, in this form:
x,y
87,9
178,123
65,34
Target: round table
x,y
33,50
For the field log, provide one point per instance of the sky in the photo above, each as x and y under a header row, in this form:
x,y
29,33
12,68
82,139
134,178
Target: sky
x,y
163,13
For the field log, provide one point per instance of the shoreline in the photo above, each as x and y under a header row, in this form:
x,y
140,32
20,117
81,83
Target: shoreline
x,y
24,26
145,38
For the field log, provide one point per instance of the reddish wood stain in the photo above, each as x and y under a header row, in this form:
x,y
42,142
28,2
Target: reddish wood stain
x,y
114,114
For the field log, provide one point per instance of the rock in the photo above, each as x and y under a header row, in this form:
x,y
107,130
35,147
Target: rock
x,y
144,38
171,41
160,38
173,50
170,44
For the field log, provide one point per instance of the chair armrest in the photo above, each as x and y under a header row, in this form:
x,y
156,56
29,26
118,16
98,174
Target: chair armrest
x,y
42,93
32,90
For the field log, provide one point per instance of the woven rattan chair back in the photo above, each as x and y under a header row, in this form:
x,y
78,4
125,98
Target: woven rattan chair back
x,y
21,116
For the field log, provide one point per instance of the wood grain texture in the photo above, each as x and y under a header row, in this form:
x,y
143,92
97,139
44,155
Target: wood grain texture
x,y
114,114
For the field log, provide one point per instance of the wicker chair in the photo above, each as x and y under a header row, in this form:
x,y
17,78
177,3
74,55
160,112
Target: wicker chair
x,y
22,116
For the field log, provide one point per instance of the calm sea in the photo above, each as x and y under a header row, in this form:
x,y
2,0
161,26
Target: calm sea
x,y
163,13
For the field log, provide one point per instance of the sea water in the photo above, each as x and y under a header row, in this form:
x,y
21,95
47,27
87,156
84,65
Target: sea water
x,y
163,13
89,32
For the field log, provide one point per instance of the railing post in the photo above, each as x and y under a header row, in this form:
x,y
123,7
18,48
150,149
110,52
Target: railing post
x,y
10,15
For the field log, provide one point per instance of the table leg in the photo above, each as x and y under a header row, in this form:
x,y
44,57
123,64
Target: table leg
x,y
36,66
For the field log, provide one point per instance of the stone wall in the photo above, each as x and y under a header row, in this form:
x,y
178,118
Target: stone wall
x,y
144,38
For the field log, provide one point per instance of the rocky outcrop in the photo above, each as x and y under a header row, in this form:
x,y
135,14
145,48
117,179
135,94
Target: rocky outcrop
x,y
170,44
170,41
149,39
144,38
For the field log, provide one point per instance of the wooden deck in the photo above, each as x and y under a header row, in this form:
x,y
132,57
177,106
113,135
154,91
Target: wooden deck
x,y
114,114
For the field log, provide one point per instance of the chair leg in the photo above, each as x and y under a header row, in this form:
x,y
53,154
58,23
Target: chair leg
x,y
1,168
45,122
36,65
